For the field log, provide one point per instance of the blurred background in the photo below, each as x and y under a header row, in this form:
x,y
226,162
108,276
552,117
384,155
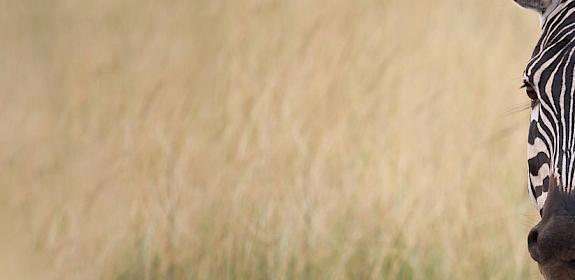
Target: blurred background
x,y
264,139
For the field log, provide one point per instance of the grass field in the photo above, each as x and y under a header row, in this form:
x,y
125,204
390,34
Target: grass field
x,y
262,139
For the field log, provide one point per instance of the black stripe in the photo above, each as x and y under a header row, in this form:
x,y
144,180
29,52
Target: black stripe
x,y
536,162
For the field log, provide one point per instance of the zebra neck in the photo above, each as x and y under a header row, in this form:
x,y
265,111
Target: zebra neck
x,y
555,7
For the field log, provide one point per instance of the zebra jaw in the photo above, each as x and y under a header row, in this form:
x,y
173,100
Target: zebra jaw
x,y
539,6
542,7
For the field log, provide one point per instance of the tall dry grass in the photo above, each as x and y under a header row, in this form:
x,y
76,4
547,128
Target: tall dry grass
x,y
262,139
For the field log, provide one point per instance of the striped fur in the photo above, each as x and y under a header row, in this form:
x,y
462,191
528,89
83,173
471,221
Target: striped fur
x,y
549,82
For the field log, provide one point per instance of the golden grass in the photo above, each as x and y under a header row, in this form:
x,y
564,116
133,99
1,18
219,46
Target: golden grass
x,y
262,139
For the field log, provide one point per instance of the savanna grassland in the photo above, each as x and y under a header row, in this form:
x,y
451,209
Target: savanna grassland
x,y
264,139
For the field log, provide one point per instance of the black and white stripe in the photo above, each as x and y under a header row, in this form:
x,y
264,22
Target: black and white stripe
x,y
549,81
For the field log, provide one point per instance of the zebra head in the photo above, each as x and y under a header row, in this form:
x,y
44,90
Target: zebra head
x,y
550,84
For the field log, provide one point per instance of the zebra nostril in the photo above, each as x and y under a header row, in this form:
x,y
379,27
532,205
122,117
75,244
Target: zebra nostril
x,y
532,244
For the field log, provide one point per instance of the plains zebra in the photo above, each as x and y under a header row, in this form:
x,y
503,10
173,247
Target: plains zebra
x,y
549,81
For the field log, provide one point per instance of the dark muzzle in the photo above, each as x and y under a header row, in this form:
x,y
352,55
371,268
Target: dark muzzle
x,y
552,241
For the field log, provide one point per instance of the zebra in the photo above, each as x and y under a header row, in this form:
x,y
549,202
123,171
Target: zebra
x,y
549,82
